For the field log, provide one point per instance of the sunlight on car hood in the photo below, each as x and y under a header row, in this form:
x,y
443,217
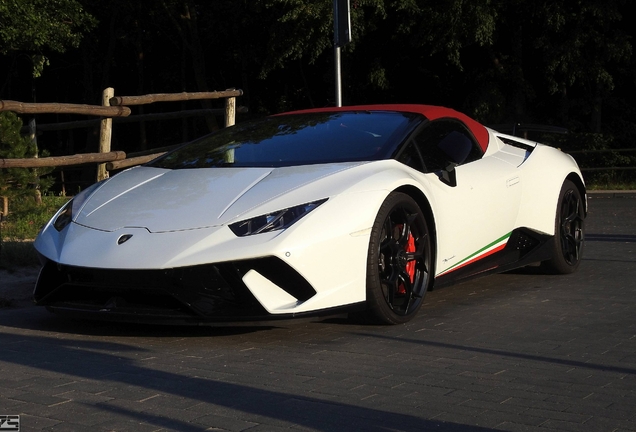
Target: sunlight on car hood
x,y
169,200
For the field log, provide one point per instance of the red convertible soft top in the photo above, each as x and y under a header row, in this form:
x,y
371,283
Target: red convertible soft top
x,y
431,112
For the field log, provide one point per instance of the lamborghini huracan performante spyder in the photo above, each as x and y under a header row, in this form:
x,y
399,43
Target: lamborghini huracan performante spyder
x,y
323,211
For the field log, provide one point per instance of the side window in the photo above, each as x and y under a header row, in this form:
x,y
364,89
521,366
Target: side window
x,y
411,156
445,142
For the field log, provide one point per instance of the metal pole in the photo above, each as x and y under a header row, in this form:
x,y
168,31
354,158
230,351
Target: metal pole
x,y
338,76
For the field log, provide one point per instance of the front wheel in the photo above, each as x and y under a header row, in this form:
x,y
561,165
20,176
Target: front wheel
x,y
399,262
568,233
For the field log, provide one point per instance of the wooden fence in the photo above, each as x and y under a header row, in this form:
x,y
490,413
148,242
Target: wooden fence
x,y
113,107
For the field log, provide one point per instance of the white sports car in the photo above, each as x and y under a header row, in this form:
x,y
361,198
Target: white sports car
x,y
313,212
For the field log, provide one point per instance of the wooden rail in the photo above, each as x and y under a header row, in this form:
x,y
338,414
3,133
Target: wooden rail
x,y
173,97
113,106
135,118
60,108
57,161
132,161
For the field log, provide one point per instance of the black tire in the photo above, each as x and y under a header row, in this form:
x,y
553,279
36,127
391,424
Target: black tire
x,y
399,263
568,242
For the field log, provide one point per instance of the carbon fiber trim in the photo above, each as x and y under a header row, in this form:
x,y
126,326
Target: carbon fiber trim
x,y
524,247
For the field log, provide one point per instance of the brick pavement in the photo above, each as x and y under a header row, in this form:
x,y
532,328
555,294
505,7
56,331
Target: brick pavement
x,y
515,352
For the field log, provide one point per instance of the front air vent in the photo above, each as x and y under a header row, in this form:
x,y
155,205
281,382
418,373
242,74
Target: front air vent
x,y
524,242
281,274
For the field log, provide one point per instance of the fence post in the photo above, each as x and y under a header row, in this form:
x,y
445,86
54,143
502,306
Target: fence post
x,y
230,111
33,136
105,133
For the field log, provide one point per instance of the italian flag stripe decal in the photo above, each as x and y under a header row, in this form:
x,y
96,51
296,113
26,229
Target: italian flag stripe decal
x,y
490,249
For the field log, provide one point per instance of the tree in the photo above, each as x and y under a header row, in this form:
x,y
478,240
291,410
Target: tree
x,y
35,26
554,62
500,61
32,28
397,44
18,182
581,45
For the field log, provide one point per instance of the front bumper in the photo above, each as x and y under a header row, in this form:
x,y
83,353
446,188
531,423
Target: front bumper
x,y
196,294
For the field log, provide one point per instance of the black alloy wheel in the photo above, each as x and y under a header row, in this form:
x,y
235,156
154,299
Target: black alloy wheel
x,y
569,231
400,260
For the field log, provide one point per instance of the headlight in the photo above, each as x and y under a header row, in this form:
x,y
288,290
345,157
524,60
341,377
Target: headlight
x,y
66,214
273,221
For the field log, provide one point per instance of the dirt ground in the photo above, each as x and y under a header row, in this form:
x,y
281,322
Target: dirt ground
x,y
16,287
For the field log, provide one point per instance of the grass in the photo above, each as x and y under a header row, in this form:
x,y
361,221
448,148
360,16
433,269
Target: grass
x,y
608,185
610,180
20,227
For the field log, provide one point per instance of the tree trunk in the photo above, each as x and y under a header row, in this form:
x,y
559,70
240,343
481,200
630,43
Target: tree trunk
x,y
5,206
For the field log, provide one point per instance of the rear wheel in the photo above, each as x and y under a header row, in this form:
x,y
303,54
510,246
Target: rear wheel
x,y
399,260
568,234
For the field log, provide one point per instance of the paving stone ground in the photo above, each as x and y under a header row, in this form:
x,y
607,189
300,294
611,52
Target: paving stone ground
x,y
514,352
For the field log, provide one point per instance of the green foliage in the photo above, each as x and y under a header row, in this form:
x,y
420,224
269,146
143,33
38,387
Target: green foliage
x,y
596,154
446,27
27,217
21,226
610,180
558,60
34,26
566,63
578,41
18,182
301,29
304,29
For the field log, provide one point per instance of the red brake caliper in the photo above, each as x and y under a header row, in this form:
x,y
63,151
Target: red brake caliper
x,y
410,266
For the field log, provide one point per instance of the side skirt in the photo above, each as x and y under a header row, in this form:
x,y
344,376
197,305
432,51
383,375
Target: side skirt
x,y
524,247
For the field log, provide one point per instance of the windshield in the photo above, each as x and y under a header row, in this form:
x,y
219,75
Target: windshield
x,y
297,139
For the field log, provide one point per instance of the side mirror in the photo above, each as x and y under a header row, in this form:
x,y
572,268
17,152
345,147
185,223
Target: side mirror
x,y
448,175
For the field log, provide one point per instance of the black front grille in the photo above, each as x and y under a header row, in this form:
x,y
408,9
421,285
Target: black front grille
x,y
207,291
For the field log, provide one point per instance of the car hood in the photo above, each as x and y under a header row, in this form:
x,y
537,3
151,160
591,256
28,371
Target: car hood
x,y
162,200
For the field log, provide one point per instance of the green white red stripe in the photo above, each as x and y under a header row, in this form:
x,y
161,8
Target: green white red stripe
x,y
482,253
